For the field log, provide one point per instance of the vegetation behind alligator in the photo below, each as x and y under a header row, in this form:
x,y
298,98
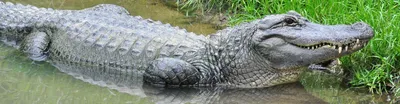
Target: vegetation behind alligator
x,y
104,44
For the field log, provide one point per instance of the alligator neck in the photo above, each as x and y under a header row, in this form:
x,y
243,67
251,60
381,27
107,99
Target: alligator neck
x,y
227,54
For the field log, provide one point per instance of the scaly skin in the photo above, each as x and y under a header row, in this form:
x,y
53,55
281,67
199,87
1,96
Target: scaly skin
x,y
107,45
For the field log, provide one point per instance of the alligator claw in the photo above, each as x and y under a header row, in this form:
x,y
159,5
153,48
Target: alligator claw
x,y
320,68
330,67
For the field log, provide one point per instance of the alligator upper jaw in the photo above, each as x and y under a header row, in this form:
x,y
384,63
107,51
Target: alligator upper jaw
x,y
341,48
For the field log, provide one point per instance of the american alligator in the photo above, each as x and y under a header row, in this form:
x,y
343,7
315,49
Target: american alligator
x,y
105,44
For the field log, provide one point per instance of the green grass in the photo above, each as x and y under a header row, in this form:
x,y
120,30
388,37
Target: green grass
x,y
374,67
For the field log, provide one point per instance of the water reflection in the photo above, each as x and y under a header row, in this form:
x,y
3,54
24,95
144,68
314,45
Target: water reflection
x,y
292,93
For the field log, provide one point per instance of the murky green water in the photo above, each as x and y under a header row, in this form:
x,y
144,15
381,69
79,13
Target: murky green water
x,y
24,81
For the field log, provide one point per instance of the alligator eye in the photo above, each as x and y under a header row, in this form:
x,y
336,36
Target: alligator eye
x,y
290,21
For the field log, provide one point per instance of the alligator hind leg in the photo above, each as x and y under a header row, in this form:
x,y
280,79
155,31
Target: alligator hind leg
x,y
171,72
36,46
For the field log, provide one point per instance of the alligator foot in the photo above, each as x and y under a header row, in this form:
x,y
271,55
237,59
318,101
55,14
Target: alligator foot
x,y
331,67
171,72
36,46
320,68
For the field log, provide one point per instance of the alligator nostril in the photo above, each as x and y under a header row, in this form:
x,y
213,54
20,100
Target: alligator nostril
x,y
359,26
367,31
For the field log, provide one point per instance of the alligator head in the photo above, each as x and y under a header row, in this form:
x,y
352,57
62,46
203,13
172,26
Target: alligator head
x,y
290,41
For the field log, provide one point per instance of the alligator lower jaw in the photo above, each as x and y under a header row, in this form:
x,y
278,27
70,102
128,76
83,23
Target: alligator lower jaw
x,y
353,45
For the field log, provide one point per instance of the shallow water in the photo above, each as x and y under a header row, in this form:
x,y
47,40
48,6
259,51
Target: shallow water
x,y
25,81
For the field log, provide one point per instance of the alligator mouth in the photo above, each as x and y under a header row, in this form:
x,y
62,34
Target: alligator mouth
x,y
353,44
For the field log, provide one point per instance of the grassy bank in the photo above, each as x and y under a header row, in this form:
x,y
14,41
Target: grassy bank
x,y
376,67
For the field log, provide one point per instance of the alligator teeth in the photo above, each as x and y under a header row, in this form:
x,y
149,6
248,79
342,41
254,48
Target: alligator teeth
x,y
334,47
340,49
328,46
345,48
357,41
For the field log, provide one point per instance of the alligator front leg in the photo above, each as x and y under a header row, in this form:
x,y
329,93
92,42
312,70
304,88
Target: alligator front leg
x,y
331,67
171,72
35,45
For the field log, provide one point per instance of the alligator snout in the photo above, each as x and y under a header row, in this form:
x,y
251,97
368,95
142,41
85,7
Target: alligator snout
x,y
363,28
